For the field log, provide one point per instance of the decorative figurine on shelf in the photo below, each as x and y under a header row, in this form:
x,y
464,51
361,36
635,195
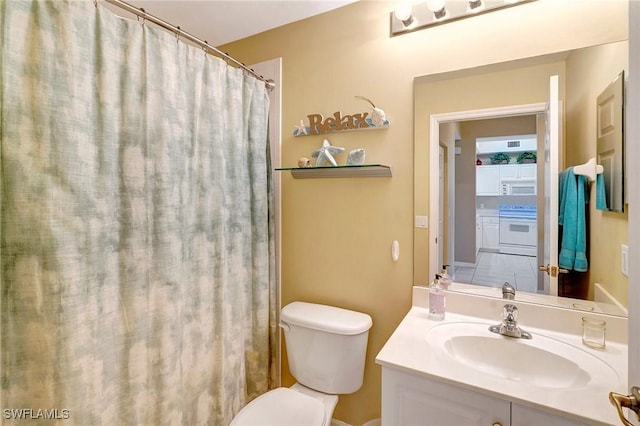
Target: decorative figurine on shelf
x,y
378,117
304,162
356,157
478,162
325,154
301,129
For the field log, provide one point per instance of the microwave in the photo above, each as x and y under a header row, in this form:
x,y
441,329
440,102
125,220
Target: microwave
x,y
521,187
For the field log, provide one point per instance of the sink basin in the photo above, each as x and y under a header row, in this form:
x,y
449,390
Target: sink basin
x,y
543,361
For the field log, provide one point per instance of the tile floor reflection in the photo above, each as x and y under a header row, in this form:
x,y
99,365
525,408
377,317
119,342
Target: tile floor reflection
x,y
493,269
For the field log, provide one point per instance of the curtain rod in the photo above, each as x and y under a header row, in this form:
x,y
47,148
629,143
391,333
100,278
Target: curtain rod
x,y
180,33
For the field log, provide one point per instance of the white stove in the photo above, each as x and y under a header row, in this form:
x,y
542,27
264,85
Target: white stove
x,y
518,229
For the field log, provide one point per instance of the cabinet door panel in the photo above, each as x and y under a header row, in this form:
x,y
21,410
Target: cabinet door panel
x,y
527,171
509,172
490,234
487,180
411,400
478,234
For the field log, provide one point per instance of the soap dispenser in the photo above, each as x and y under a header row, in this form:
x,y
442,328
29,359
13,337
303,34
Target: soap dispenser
x,y
445,278
437,301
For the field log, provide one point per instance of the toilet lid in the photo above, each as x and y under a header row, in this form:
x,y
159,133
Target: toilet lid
x,y
281,407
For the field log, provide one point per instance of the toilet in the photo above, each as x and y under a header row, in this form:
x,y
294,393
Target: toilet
x,y
326,348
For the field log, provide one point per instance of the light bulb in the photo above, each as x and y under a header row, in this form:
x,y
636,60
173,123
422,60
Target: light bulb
x,y
403,12
435,5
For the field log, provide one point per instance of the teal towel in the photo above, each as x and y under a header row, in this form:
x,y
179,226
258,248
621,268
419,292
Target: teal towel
x,y
573,192
601,193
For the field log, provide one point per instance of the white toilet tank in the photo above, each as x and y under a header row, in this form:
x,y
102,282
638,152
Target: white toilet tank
x,y
326,346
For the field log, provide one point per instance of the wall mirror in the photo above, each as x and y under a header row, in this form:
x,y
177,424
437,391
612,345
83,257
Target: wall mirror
x,y
505,100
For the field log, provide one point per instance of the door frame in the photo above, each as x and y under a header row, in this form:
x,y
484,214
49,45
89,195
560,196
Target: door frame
x,y
443,202
434,159
632,152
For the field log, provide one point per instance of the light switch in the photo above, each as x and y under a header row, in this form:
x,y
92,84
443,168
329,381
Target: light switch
x,y
624,259
421,221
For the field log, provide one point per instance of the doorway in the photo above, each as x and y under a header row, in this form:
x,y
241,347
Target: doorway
x,y
496,221
454,236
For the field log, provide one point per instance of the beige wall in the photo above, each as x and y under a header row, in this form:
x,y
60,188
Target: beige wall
x,y
589,71
337,233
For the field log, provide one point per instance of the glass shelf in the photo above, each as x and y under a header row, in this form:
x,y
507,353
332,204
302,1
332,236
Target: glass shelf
x,y
365,170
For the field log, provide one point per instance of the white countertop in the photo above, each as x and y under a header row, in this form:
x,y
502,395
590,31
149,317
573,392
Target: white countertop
x,y
487,212
408,350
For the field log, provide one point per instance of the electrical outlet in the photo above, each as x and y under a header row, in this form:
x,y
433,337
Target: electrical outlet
x,y
624,259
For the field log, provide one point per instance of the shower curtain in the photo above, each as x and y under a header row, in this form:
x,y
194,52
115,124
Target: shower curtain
x,y
136,242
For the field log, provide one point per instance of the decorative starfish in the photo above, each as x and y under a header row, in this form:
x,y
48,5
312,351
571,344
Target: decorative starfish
x,y
326,153
302,129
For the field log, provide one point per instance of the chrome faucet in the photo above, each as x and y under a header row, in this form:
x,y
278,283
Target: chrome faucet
x,y
509,325
508,291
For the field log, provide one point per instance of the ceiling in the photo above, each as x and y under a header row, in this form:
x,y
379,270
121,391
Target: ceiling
x,y
223,21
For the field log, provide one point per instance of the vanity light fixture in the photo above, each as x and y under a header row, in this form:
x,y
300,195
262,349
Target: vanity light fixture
x,y
427,13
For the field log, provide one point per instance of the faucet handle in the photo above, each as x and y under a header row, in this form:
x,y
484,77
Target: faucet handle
x,y
510,313
509,325
508,291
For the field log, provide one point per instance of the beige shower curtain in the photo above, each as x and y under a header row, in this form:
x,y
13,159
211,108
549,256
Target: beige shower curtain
x,y
136,243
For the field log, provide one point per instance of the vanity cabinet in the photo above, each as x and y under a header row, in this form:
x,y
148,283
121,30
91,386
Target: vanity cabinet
x,y
408,399
488,180
411,399
527,416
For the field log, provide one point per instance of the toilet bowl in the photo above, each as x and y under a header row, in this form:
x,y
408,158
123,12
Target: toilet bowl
x,y
326,348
